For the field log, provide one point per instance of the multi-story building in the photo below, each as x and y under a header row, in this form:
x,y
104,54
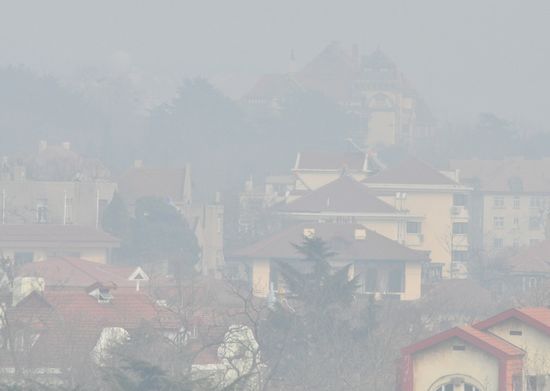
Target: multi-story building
x,y
371,86
386,268
510,201
414,187
56,186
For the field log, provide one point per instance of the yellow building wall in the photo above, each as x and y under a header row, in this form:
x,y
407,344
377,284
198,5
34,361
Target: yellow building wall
x,y
534,342
413,281
437,226
439,364
389,229
260,278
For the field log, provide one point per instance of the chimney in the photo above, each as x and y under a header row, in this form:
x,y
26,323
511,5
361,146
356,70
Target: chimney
x,y
309,233
360,234
24,286
66,145
42,145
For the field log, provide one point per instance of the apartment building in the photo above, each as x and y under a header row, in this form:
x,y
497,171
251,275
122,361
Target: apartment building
x,y
510,201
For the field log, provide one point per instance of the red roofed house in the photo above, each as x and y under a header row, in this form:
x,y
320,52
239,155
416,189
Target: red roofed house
x,y
60,332
414,187
387,268
507,352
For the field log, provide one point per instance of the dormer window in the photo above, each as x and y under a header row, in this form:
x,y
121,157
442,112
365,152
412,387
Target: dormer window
x,y
102,294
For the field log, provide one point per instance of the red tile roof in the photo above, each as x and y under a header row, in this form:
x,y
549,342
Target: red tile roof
x,y
344,195
54,234
410,172
537,317
76,272
340,239
481,340
316,160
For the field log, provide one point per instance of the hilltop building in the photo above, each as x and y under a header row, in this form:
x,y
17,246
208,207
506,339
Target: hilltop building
x,y
371,86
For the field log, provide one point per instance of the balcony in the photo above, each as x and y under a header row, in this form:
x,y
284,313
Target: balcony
x,y
460,242
459,213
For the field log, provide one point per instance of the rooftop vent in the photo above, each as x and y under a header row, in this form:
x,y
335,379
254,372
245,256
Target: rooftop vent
x,y
360,234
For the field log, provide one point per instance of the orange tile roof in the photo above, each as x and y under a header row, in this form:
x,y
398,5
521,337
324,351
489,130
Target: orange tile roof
x,y
480,339
76,272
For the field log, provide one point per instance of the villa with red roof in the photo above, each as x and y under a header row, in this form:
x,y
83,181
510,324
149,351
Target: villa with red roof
x,y
386,268
507,352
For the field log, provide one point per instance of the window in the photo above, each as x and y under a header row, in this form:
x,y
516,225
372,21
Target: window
x,y
498,202
498,243
460,256
459,199
42,210
517,383
515,243
414,227
395,281
371,280
68,217
459,348
536,202
460,228
516,222
22,257
446,387
532,242
517,202
498,222
534,223
516,332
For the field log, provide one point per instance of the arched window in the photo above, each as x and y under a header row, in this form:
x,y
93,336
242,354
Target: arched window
x,y
451,387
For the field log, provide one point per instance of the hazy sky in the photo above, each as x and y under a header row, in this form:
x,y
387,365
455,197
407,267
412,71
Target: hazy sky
x,y
463,56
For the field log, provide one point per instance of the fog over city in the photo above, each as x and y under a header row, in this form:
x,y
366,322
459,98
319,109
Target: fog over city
x,y
274,195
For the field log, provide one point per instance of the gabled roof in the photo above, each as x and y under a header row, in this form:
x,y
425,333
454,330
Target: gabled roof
x,y
340,238
55,234
344,195
537,317
76,272
166,183
332,73
481,340
411,172
317,160
511,175
532,259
